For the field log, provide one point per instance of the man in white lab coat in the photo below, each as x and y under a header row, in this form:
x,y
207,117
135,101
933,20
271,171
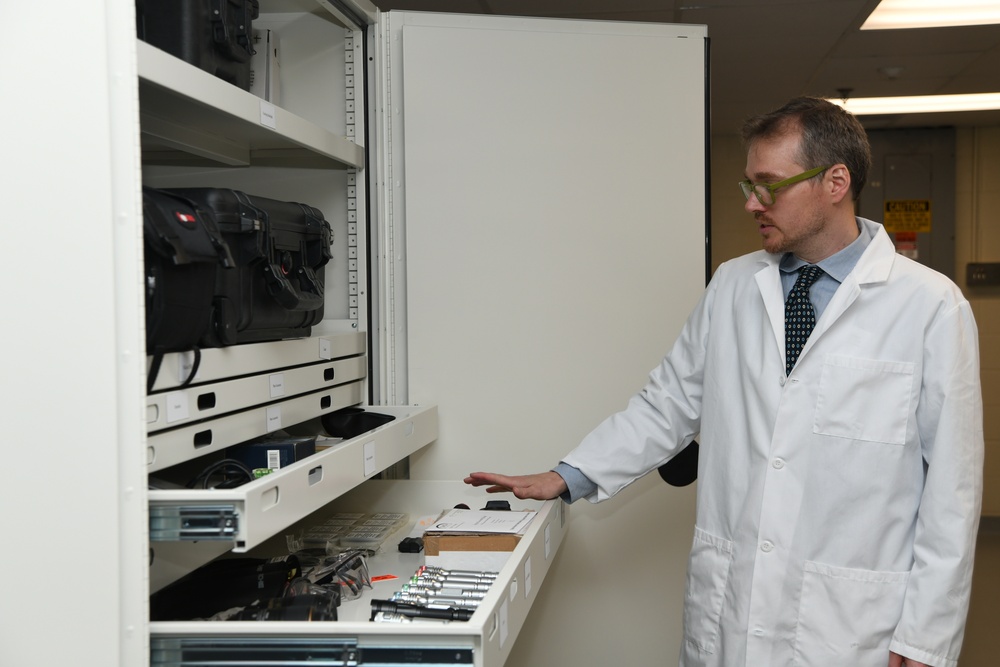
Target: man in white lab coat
x,y
838,497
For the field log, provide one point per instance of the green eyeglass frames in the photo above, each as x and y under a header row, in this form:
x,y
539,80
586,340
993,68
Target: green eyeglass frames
x,y
765,191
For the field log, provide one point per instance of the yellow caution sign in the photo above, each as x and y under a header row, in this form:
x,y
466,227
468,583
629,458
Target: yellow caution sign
x,y
907,215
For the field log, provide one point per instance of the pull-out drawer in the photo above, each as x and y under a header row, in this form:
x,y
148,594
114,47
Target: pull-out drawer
x,y
222,363
182,406
244,516
483,641
241,392
173,446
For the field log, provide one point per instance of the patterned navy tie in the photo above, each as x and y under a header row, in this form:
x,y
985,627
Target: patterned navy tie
x,y
800,318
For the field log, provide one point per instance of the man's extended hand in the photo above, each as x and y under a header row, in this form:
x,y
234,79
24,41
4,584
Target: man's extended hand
x,y
540,486
896,660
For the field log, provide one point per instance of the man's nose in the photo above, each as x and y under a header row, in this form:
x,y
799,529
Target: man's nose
x,y
753,205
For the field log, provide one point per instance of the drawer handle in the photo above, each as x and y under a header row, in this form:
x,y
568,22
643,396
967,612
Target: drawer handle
x,y
315,475
206,401
269,498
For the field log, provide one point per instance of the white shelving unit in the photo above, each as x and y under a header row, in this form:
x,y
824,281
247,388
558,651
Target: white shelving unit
x,y
198,130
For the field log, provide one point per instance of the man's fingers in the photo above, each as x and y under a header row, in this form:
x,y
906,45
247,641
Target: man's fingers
x,y
483,478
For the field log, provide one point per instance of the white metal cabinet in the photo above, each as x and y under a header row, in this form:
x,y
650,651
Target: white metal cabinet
x,y
229,402
197,129
84,145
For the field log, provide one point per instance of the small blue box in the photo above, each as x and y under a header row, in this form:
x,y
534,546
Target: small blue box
x,y
272,452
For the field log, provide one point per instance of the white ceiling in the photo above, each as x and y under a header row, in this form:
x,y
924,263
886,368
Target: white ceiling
x,y
764,52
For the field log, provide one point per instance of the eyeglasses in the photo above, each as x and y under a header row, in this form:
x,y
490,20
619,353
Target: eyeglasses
x,y
765,191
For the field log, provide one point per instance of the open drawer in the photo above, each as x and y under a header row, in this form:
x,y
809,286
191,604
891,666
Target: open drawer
x,y
243,517
485,640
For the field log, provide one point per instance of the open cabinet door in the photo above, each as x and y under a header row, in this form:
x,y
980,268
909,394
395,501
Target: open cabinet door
x,y
545,216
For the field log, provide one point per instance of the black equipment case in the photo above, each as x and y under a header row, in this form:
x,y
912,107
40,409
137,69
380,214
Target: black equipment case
x,y
280,250
183,250
215,35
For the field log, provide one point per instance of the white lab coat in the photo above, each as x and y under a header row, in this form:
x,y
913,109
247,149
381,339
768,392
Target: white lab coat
x,y
838,507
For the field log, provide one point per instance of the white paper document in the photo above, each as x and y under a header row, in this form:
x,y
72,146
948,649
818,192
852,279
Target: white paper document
x,y
482,521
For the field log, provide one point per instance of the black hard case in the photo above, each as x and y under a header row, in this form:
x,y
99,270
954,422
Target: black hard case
x,y
280,250
183,253
215,35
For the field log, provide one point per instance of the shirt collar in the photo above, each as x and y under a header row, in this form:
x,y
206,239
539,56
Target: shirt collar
x,y
839,264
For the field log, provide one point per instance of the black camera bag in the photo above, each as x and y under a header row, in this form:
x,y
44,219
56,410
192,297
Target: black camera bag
x,y
183,251
214,35
280,252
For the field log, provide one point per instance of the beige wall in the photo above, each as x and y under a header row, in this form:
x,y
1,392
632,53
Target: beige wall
x,y
733,231
977,200
977,229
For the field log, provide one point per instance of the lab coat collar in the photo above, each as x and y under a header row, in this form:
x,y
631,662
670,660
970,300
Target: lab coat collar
x,y
877,260
873,267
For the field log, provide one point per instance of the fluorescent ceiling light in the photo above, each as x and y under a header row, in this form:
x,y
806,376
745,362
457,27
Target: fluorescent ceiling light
x,y
932,14
866,106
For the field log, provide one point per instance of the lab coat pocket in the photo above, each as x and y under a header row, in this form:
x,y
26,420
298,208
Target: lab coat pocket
x,y
847,616
864,399
708,572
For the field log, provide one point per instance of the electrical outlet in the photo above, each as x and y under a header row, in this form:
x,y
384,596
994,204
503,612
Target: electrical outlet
x,y
982,274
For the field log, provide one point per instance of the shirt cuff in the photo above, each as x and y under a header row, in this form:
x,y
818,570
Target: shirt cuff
x,y
578,485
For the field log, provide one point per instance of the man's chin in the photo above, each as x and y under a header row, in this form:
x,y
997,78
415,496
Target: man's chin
x,y
772,246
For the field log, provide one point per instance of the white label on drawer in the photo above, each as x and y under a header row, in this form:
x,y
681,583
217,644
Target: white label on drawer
x,y
369,450
177,406
504,627
267,118
527,577
548,540
276,385
324,349
273,418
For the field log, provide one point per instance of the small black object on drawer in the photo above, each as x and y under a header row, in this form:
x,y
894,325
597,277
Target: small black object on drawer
x,y
352,422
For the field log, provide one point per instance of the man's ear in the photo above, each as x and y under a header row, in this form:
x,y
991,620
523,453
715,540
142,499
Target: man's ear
x,y
839,182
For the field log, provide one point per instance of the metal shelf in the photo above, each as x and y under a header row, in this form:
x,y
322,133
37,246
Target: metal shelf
x,y
189,117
